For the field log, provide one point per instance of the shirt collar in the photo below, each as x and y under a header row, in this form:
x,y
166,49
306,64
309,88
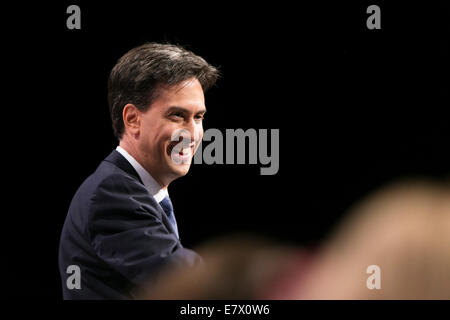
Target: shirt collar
x,y
150,184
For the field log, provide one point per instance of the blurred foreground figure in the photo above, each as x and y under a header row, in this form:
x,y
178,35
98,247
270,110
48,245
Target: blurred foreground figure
x,y
403,229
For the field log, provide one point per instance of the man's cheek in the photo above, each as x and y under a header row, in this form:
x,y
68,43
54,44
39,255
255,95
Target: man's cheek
x,y
197,141
198,135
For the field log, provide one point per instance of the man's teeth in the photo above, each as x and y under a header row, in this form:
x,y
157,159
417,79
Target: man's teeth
x,y
186,151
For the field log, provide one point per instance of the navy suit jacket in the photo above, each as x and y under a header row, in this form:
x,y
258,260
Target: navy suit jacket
x,y
117,234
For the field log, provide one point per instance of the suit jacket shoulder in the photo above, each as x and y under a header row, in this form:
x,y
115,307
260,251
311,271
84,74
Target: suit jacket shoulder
x,y
117,233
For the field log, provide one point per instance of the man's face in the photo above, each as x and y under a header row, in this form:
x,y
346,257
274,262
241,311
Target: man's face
x,y
179,107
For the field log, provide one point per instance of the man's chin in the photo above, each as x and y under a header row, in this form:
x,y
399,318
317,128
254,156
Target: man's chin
x,y
179,170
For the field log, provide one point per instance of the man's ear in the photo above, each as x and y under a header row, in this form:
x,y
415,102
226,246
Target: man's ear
x,y
131,119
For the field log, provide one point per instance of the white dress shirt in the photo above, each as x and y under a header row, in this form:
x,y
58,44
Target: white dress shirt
x,y
150,184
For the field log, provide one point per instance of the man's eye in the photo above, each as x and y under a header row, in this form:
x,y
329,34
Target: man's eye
x,y
177,115
200,117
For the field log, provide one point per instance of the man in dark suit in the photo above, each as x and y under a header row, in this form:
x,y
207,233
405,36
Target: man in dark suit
x,y
120,231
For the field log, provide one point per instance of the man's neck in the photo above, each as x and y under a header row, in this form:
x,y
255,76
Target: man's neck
x,y
132,151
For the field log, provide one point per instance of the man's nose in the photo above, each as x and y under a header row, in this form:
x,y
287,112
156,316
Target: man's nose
x,y
194,129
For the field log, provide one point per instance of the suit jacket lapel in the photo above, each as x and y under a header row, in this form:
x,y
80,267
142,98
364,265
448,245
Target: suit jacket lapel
x,y
116,158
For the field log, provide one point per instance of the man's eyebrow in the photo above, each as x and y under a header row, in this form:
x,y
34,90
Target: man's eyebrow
x,y
184,110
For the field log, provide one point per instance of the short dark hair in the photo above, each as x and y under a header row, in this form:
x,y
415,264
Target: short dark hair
x,y
139,74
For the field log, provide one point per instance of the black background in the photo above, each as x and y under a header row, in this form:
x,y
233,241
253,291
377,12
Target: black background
x,y
356,109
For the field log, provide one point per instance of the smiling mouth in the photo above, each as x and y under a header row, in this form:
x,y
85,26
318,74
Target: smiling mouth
x,y
183,154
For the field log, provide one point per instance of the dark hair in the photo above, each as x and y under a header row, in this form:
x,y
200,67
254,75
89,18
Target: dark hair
x,y
139,73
